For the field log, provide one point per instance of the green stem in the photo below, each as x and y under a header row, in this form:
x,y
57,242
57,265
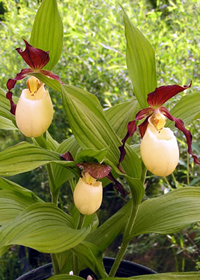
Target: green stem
x,y
52,185
125,242
188,170
55,264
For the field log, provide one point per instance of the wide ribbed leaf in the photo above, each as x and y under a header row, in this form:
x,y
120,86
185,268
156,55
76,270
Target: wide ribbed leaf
x,y
168,213
25,157
163,276
47,32
140,58
6,124
92,130
7,120
13,200
43,227
120,114
186,109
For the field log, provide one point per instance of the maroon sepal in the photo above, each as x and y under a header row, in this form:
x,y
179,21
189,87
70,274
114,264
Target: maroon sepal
x,y
161,94
12,104
67,156
35,58
50,74
118,185
96,170
131,128
180,125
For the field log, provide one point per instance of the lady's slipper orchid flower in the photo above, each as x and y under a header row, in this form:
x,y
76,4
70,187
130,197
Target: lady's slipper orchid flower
x,y
88,194
159,149
36,60
88,191
34,111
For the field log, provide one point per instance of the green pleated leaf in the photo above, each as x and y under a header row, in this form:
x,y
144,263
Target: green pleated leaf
x,y
89,155
43,227
13,200
7,120
91,257
92,130
6,124
140,58
65,277
163,276
120,114
168,213
47,32
186,109
24,157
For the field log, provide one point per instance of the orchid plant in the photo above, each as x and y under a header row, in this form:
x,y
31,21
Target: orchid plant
x,y
96,154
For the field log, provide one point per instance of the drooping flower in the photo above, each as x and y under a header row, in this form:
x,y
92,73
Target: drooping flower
x,y
36,60
34,110
88,191
88,194
159,149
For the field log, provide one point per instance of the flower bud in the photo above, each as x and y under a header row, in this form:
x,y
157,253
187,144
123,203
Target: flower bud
x,y
34,111
159,150
88,194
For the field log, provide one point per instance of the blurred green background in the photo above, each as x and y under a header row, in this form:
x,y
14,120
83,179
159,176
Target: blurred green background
x,y
93,58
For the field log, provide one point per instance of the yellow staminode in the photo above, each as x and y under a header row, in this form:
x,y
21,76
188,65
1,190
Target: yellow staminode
x,y
34,111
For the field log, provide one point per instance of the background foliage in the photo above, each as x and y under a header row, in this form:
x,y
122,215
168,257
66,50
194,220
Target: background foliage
x,y
93,58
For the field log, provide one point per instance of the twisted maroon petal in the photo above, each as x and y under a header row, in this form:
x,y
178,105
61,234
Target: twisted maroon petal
x,y
24,72
12,104
180,125
131,128
96,170
35,58
143,127
118,185
161,94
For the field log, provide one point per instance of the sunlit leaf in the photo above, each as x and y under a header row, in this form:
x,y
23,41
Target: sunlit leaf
x,y
92,130
186,109
168,213
47,32
140,58
13,200
25,157
37,226
120,114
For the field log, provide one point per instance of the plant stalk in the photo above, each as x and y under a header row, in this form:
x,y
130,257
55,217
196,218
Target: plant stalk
x,y
125,242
